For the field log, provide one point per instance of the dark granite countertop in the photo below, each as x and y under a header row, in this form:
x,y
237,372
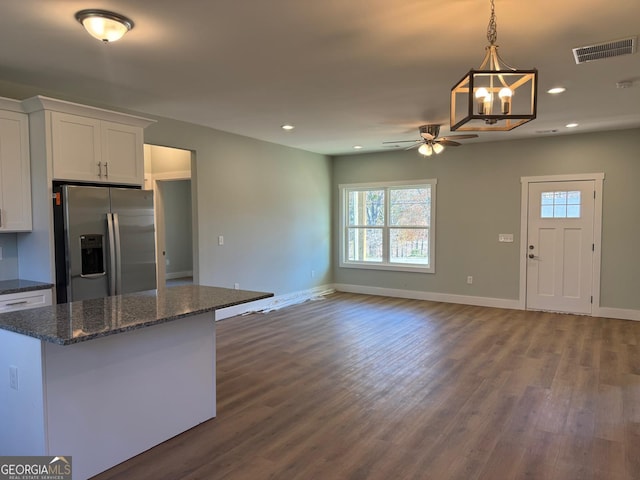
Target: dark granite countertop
x,y
84,320
18,286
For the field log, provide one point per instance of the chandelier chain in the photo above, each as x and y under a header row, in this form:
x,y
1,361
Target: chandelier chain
x,y
492,29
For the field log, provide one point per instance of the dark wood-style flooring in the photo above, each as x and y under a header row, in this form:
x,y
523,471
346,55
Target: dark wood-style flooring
x,y
365,387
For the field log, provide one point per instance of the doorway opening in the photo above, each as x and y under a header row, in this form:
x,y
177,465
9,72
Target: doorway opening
x,y
168,172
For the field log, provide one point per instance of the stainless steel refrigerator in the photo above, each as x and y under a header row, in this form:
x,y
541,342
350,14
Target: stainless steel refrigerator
x,y
104,241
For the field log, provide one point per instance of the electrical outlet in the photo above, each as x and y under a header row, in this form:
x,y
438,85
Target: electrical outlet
x,y
13,377
220,240
469,279
313,274
236,286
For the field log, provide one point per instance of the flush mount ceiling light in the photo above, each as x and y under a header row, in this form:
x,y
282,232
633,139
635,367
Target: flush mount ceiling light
x,y
496,96
287,127
104,25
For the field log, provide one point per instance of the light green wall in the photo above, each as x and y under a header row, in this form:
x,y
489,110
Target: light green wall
x,y
271,204
9,262
177,215
478,197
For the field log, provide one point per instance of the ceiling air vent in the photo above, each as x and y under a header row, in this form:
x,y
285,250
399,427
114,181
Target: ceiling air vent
x,y
616,48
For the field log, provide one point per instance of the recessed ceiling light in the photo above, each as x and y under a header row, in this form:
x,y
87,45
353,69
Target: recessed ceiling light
x,y
357,147
571,125
556,90
624,84
287,127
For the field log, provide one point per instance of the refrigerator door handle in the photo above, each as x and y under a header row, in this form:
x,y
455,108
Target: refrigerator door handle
x,y
112,255
116,234
93,275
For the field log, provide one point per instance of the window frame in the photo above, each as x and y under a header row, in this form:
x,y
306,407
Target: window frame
x,y
386,264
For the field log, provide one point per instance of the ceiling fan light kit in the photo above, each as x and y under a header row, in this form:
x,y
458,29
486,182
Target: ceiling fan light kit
x,y
429,142
496,96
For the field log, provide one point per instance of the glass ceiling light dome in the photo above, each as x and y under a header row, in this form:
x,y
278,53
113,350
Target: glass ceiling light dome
x,y
104,25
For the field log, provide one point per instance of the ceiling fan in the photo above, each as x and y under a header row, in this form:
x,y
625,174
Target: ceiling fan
x,y
430,143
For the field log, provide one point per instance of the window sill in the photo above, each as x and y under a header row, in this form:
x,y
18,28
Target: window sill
x,y
388,266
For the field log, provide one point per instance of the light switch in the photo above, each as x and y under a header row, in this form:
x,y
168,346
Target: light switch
x,y
220,240
505,237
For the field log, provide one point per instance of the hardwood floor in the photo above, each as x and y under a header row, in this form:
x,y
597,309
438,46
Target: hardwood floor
x,y
364,387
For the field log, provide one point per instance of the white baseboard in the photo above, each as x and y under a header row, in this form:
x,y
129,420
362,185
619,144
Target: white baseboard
x,y
432,296
171,276
274,303
620,313
293,298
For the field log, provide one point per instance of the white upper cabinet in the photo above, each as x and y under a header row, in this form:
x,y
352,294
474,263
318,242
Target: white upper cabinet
x,y
94,150
15,180
90,144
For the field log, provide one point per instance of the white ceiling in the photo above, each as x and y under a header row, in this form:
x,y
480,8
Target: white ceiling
x,y
345,72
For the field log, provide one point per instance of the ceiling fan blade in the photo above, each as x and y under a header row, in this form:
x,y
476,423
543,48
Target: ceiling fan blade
x,y
413,146
448,143
404,141
459,137
427,136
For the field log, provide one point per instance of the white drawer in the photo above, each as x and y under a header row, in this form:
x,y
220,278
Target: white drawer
x,y
23,300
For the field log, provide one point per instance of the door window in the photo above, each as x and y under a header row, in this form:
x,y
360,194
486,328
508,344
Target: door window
x,y
560,204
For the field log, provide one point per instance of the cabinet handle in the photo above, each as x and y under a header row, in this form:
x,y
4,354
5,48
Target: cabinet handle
x,y
106,169
99,169
13,304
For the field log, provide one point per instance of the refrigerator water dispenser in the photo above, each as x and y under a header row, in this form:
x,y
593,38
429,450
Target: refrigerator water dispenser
x,y
92,255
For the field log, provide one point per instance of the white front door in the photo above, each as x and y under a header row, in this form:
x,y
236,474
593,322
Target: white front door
x,y
560,246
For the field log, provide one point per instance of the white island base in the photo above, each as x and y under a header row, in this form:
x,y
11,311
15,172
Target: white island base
x,y
106,400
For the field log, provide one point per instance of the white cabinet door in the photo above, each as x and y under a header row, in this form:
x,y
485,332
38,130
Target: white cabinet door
x,y
122,153
15,180
77,148
92,150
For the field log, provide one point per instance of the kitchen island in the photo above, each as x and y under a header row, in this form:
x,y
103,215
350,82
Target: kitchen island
x,y
103,380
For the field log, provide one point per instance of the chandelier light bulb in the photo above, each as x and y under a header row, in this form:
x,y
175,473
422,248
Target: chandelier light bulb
x,y
437,148
482,93
505,95
484,101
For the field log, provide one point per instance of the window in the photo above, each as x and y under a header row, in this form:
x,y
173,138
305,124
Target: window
x,y
388,226
560,204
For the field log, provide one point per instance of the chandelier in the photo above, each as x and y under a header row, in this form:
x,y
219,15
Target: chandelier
x,y
496,96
